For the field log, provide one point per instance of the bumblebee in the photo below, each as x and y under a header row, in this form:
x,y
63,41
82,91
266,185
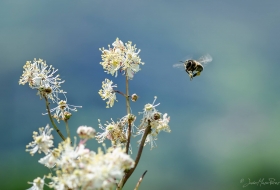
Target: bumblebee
x,y
194,67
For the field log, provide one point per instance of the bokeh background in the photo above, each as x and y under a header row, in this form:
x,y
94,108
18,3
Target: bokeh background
x,y
225,123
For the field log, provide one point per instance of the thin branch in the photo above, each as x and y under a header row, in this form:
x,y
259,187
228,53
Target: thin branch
x,y
140,180
67,129
128,113
127,95
50,116
128,137
137,159
120,93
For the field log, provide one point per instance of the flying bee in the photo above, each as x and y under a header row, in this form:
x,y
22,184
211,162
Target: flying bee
x,y
194,67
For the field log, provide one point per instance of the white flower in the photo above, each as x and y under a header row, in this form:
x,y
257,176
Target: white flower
x,y
85,132
68,155
121,57
156,120
149,111
131,60
81,169
163,124
107,92
38,184
118,44
62,111
40,76
50,159
107,169
42,141
125,161
113,131
112,60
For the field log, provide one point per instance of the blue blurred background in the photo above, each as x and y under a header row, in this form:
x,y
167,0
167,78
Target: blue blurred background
x,y
225,123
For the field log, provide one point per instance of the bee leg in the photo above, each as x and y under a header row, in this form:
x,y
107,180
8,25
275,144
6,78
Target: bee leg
x,y
190,74
196,74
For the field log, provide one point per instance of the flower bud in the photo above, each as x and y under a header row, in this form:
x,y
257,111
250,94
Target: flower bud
x,y
85,132
156,116
134,97
67,115
131,118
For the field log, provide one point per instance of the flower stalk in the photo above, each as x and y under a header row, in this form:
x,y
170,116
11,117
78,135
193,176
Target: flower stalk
x,y
137,159
140,180
67,128
52,121
128,113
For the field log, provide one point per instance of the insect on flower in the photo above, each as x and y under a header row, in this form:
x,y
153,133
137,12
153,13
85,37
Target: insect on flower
x,y
194,67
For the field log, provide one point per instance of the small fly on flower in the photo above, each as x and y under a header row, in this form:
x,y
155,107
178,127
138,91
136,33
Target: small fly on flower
x,y
194,67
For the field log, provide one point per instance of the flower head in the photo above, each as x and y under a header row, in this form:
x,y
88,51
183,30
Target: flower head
x,y
156,120
123,57
107,92
149,111
112,131
63,110
85,132
79,168
42,77
50,159
37,183
42,141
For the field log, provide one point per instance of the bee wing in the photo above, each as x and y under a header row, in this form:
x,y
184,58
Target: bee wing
x,y
182,65
178,65
205,59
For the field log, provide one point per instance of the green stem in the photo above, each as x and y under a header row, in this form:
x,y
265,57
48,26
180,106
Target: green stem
x,y
52,121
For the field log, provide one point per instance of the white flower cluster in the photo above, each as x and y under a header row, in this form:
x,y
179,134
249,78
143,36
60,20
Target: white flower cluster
x,y
158,121
42,77
123,57
42,141
107,92
116,132
79,168
37,184
62,111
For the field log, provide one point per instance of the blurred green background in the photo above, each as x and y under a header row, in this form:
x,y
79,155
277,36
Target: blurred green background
x,y
225,123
